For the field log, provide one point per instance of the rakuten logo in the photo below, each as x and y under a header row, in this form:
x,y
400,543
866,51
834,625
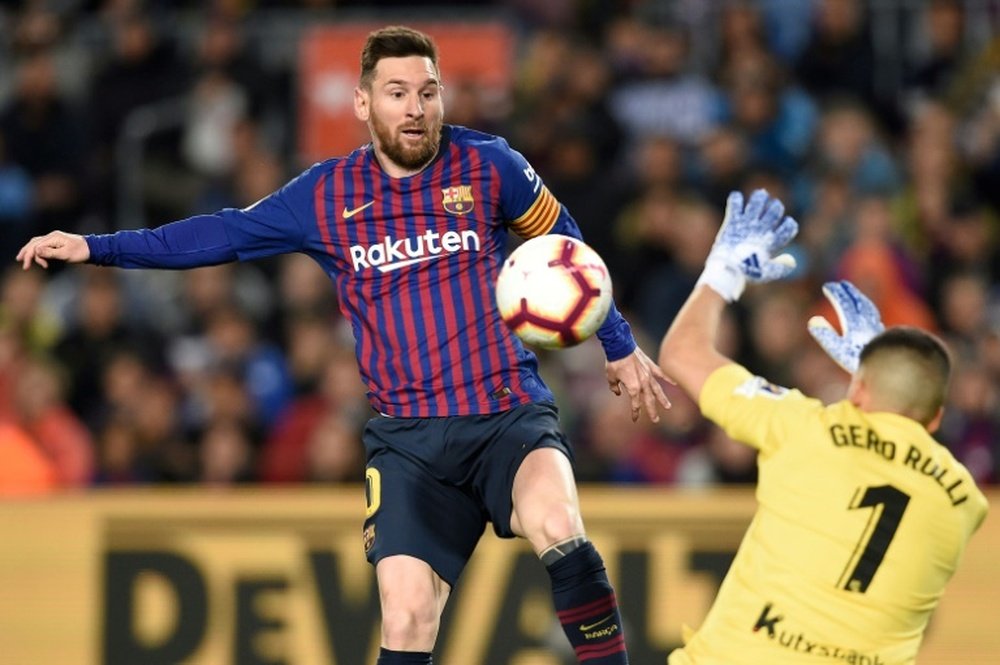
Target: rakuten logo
x,y
393,254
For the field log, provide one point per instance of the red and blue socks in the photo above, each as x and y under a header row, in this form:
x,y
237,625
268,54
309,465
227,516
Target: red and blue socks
x,y
585,603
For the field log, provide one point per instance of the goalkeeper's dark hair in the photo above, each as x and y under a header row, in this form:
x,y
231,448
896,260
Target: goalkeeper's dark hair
x,y
911,370
394,41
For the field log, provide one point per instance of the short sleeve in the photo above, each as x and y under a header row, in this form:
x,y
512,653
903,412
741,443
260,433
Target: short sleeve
x,y
753,410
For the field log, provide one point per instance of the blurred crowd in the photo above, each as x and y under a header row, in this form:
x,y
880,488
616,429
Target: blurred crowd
x,y
641,116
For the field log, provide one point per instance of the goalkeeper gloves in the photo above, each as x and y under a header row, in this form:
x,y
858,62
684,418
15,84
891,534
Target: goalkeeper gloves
x,y
859,319
745,247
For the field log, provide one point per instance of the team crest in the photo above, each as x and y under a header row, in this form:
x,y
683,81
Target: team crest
x,y
369,537
457,200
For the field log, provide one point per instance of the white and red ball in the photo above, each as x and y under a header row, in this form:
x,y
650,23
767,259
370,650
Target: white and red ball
x,y
554,291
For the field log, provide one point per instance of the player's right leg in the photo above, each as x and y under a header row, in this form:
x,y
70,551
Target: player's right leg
x,y
419,532
412,598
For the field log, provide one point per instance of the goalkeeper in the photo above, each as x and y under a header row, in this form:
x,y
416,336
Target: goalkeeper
x,y
862,515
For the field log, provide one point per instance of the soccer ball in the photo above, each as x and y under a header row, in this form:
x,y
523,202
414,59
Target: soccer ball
x,y
554,291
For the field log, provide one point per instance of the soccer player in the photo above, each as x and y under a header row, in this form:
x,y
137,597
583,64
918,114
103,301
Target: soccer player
x,y
862,515
411,229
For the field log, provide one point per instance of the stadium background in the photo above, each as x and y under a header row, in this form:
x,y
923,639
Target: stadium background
x,y
231,390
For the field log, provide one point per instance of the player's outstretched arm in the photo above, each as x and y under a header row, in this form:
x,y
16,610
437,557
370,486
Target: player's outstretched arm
x,y
54,246
746,249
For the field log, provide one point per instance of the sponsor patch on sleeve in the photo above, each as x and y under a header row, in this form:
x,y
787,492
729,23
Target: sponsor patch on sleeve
x,y
758,386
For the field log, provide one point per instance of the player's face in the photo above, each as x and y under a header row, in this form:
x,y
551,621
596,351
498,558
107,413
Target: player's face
x,y
404,112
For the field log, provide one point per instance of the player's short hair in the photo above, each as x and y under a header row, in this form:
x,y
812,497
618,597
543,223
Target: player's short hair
x,y
394,41
909,369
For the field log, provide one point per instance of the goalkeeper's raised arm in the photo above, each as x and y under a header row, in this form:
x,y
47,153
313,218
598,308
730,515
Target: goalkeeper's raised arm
x,y
746,249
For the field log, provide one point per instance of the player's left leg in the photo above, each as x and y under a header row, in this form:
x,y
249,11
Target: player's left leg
x,y
546,511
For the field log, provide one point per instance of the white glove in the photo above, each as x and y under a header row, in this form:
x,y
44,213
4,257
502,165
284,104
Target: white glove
x,y
745,246
859,319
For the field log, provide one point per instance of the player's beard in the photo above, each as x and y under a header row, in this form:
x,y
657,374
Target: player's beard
x,y
408,156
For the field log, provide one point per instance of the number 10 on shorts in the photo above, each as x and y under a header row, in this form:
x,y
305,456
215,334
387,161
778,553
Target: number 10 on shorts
x,y
373,491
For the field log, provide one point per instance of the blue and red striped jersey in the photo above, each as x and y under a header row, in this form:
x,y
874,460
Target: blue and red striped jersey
x,y
414,261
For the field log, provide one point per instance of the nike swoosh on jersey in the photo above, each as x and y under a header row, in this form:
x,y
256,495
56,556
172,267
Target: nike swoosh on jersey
x,y
586,627
347,214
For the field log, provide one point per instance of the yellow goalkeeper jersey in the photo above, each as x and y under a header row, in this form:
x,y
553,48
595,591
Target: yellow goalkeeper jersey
x,y
862,519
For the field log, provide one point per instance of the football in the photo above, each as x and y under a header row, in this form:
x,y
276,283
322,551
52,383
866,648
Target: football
x,y
554,291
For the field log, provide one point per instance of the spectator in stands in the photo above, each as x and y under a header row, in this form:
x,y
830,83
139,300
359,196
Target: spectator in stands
x,y
332,451
259,365
165,450
96,332
839,59
720,163
971,426
225,454
963,308
942,49
143,69
614,451
56,431
43,135
22,311
286,453
665,97
302,295
15,201
118,458
777,120
24,470
775,333
683,240
848,142
876,261
969,242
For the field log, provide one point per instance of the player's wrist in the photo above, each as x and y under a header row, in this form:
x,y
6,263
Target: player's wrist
x,y
724,278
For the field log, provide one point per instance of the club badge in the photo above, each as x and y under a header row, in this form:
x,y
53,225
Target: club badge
x,y
457,200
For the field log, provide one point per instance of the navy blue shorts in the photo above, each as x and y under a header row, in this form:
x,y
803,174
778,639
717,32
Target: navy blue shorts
x,y
434,483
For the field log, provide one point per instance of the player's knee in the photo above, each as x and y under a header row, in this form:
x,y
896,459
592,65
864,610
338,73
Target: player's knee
x,y
409,626
556,523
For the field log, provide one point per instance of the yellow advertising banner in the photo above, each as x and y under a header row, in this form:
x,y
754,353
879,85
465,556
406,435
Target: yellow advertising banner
x,y
278,577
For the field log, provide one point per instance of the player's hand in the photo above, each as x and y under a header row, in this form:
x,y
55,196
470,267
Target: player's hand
x,y
747,245
58,245
859,319
639,377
